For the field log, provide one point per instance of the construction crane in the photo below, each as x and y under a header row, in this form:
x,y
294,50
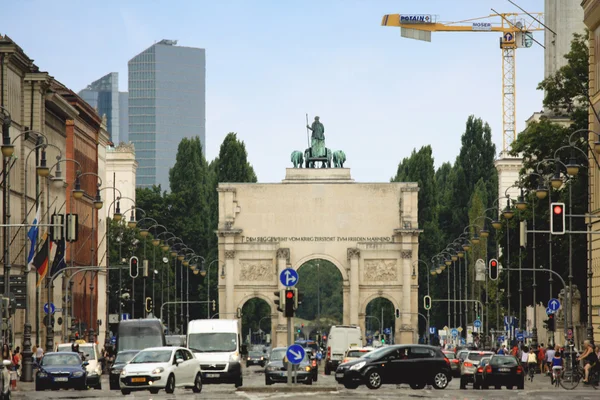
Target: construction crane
x,y
516,29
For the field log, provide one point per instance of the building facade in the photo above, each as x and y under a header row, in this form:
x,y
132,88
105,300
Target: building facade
x,y
121,168
103,96
591,10
166,104
123,118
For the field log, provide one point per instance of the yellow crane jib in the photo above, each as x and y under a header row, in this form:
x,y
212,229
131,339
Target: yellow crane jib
x,y
516,30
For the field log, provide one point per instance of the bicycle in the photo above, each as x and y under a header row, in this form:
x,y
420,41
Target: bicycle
x,y
556,373
570,379
531,371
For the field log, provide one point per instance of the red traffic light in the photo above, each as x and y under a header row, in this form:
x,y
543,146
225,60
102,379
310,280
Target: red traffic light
x,y
289,295
558,209
494,263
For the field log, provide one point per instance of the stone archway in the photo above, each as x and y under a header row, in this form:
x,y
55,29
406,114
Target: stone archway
x,y
367,230
386,318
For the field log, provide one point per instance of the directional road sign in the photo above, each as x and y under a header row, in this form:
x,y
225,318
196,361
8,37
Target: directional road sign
x,y
387,331
295,354
501,338
477,323
49,308
520,336
549,311
288,277
454,332
554,304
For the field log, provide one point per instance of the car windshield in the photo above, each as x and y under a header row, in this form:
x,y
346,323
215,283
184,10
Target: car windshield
x,y
477,356
60,359
503,361
123,358
377,353
152,356
462,355
255,354
484,361
88,351
450,356
277,354
357,353
213,342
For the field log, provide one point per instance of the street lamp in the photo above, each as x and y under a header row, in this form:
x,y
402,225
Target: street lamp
x,y
508,212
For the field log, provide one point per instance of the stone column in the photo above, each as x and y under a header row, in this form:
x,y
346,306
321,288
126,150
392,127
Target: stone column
x,y
283,258
353,255
406,287
229,284
363,327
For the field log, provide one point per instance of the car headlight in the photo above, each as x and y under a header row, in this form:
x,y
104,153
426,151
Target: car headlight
x,y
235,357
271,369
123,373
307,369
78,374
158,370
358,366
42,375
115,372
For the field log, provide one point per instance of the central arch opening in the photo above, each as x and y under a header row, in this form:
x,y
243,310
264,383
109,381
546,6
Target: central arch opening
x,y
321,284
380,322
256,323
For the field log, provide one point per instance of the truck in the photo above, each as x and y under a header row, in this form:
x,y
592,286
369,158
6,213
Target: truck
x,y
340,339
217,344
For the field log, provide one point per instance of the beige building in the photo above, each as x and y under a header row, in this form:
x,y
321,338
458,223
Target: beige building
x,y
368,231
121,168
591,9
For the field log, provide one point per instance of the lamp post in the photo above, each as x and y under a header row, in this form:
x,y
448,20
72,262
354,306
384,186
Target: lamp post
x,y
206,272
428,273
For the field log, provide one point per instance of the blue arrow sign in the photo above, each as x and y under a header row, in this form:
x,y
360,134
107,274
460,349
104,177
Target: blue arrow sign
x,y
501,338
295,354
520,336
463,340
549,311
387,331
288,277
554,304
49,308
477,323
454,332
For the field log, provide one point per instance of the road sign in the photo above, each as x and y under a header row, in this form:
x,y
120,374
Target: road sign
x,y
432,330
460,329
295,354
454,332
549,311
125,317
501,338
477,323
288,277
387,331
520,336
554,304
463,341
49,308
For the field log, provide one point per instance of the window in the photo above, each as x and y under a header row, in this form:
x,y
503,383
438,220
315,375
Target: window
x,y
421,352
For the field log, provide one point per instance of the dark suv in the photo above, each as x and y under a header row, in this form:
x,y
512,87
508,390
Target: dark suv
x,y
416,365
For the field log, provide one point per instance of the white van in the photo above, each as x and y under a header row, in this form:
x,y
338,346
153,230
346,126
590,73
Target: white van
x,y
340,339
217,344
92,355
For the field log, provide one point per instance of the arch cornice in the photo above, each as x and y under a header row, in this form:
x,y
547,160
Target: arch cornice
x,y
317,256
363,306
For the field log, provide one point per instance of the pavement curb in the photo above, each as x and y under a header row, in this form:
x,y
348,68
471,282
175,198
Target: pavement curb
x,y
288,389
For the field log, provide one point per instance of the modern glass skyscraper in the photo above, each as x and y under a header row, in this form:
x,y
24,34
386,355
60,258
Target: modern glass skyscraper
x,y
103,95
123,117
166,103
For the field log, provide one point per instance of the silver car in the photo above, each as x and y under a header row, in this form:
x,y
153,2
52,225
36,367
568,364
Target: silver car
x,y
468,368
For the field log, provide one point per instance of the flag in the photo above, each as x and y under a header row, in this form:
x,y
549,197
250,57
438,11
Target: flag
x,y
59,259
32,234
41,259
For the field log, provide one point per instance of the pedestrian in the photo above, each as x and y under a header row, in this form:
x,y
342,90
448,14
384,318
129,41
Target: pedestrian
x,y
541,357
502,350
557,364
532,362
550,352
33,351
524,356
39,353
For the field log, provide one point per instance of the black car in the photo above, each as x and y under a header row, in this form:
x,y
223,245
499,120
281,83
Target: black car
x,y
417,365
63,370
256,358
122,358
503,371
276,369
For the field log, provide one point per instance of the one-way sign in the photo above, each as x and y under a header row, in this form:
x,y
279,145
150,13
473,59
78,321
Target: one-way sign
x,y
288,277
295,354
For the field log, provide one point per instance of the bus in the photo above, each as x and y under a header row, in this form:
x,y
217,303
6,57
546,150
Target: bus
x,y
140,334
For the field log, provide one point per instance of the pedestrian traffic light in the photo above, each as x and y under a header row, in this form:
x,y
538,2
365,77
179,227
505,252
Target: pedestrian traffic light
x,y
426,302
290,302
148,304
494,272
279,297
550,323
133,267
557,218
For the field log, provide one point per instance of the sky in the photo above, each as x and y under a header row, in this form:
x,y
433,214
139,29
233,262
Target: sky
x,y
271,62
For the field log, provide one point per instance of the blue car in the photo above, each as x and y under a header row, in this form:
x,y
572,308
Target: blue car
x,y
63,370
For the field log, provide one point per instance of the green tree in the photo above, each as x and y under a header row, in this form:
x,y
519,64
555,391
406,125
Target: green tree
x,y
320,280
233,165
478,251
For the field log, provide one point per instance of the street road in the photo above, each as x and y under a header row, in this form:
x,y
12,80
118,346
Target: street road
x,y
253,377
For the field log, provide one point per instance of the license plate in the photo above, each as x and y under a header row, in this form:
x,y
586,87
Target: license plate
x,y
339,375
504,369
138,379
61,379
213,375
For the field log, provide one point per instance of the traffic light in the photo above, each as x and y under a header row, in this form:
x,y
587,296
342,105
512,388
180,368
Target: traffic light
x,y
279,297
148,304
426,303
298,330
290,302
550,323
133,267
557,218
493,269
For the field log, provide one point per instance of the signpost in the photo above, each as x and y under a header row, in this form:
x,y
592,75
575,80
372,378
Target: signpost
x,y
554,305
289,278
549,311
520,336
477,323
454,332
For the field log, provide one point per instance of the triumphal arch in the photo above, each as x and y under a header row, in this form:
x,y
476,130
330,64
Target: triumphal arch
x,y
367,230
